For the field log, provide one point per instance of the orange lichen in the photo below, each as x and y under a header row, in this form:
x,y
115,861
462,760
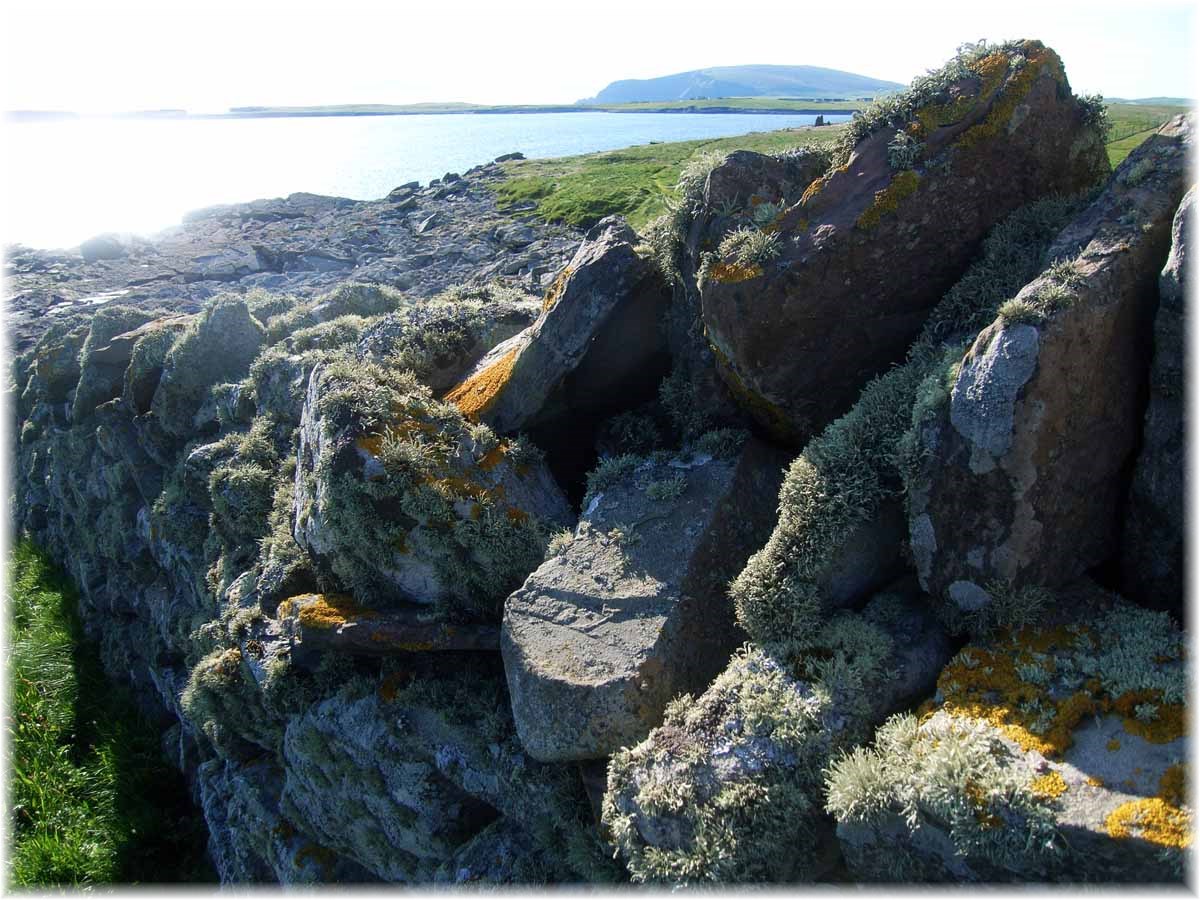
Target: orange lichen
x,y
325,611
477,394
1016,89
516,516
775,419
1113,746
813,189
1172,787
888,200
1049,785
732,273
1093,781
554,294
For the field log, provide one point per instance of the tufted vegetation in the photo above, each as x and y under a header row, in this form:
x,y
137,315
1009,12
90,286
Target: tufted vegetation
x,y
846,474
727,789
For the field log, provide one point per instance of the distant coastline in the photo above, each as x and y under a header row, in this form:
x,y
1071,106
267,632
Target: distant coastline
x,y
755,105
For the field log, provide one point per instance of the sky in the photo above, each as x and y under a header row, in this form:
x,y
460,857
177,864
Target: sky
x,y
120,55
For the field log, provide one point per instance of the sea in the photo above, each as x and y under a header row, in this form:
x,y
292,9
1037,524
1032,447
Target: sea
x,y
68,180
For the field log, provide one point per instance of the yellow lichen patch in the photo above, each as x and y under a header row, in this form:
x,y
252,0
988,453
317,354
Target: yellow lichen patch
x,y
454,487
328,611
732,273
1017,88
1049,785
818,184
1093,781
1154,820
1169,724
888,200
477,394
1113,746
984,684
554,294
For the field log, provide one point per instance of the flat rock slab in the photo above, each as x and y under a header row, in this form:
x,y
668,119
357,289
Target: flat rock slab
x,y
634,612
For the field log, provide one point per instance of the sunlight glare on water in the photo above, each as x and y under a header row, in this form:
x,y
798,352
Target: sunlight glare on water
x,y
69,180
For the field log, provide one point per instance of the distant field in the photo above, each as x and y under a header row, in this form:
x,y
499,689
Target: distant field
x,y
753,103
1132,123
634,182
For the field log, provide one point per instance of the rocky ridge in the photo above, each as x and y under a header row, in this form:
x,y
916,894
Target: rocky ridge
x,y
341,541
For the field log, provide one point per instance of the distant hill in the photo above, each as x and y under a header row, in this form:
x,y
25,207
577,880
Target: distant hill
x,y
803,82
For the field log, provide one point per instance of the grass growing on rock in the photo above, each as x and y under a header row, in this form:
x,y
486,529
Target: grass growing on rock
x,y
91,797
847,473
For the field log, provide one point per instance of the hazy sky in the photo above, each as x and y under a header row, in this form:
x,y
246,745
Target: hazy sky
x,y
119,55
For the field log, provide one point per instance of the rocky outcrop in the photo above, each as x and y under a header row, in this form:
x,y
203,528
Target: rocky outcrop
x,y
936,169
1152,559
633,612
419,240
401,500
598,323
729,788
1055,754
1020,480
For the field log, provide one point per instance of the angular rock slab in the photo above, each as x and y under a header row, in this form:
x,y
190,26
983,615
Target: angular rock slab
x,y
1021,480
634,611
1152,559
870,249
607,297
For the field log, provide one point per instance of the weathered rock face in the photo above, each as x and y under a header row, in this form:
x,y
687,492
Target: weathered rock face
x,y
746,190
401,777
1152,559
600,316
729,788
1020,480
402,501
218,348
633,611
1053,754
999,131
250,840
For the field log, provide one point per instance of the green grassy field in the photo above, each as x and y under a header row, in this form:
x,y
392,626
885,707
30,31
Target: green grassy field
x,y
1131,123
91,799
634,182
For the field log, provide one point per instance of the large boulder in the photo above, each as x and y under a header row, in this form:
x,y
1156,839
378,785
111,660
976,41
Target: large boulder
x,y
218,347
729,788
889,229
101,365
1020,479
1152,559
634,611
399,499
598,331
1051,754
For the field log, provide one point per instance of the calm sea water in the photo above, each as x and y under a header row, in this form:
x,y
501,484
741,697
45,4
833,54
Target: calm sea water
x,y
69,180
